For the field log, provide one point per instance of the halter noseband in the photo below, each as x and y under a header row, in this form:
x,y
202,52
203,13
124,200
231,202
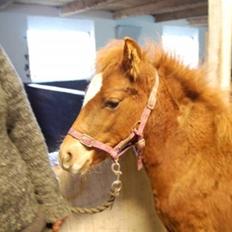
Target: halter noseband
x,y
135,139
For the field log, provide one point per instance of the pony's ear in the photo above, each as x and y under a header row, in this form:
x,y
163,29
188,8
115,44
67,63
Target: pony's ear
x,y
132,56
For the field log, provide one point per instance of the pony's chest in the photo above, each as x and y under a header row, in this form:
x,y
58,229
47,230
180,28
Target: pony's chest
x,y
178,218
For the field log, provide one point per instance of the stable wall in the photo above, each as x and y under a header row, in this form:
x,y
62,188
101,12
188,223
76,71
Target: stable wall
x,y
12,37
13,28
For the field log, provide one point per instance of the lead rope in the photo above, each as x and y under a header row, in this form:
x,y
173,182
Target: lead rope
x,y
114,193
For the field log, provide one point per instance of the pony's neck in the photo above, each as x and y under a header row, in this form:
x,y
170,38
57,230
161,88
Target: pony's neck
x,y
183,122
163,120
160,134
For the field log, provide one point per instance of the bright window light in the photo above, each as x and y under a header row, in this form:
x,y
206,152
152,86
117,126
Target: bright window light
x,y
183,42
58,55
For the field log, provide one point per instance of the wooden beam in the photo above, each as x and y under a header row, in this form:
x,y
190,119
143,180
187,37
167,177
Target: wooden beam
x,y
5,3
183,14
79,6
198,21
219,43
160,7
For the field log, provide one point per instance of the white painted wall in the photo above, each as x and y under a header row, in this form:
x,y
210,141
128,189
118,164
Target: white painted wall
x,y
104,31
13,27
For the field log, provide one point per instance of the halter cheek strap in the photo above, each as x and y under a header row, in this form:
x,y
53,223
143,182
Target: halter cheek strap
x,y
135,139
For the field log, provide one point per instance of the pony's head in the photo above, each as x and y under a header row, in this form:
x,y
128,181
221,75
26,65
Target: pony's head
x,y
113,104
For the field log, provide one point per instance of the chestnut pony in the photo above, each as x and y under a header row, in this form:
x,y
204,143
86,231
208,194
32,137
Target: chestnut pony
x,y
188,151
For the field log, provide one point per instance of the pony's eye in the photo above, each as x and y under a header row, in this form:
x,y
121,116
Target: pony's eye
x,y
112,104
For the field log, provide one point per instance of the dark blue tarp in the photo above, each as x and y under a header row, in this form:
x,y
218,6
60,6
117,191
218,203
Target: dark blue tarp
x,y
55,111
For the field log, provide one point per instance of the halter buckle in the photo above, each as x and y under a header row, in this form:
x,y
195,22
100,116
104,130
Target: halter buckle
x,y
140,144
86,140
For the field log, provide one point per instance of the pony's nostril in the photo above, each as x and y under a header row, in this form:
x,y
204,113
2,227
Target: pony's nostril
x,y
67,156
66,160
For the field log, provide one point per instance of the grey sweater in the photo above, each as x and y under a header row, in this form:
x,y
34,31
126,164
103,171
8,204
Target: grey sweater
x,y
27,182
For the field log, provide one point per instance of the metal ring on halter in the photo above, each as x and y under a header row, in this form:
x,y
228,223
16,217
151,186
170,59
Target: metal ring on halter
x,y
116,167
117,184
116,187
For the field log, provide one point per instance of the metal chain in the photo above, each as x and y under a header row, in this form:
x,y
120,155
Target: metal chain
x,y
114,193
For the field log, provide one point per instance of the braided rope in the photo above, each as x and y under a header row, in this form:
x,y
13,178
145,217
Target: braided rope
x,y
108,204
114,193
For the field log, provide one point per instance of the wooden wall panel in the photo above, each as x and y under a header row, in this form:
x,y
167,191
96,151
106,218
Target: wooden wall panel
x,y
133,210
219,43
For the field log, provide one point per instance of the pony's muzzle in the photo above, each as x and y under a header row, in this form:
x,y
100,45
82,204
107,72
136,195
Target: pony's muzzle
x,y
75,157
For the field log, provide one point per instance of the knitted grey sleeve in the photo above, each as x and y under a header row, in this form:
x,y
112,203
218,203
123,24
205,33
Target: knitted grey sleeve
x,y
27,137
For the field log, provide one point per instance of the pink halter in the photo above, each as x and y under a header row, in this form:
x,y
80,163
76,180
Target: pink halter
x,y
135,140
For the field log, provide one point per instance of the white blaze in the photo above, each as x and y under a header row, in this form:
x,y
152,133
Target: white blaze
x,y
93,88
83,158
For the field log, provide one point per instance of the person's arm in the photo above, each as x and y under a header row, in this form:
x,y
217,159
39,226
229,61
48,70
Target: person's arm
x,y
27,137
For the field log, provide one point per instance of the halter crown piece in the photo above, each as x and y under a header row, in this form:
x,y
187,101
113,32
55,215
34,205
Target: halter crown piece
x,y
135,139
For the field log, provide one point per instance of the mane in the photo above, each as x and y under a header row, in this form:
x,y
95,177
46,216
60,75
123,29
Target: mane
x,y
110,57
194,81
